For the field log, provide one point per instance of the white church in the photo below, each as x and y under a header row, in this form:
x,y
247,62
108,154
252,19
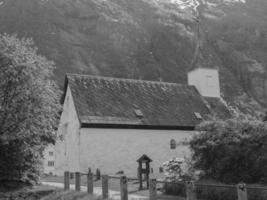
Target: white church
x,y
108,123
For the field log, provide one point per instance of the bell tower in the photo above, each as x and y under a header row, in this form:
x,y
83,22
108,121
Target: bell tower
x,y
206,80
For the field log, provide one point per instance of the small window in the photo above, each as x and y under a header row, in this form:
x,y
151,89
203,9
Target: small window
x,y
138,113
51,163
209,81
173,144
51,153
198,115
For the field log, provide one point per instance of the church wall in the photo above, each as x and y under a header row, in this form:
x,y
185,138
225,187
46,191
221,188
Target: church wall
x,y
67,150
113,150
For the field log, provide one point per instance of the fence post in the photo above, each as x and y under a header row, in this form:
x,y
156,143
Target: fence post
x,y
71,175
98,174
105,186
190,191
66,180
152,189
242,192
124,189
139,176
90,182
77,181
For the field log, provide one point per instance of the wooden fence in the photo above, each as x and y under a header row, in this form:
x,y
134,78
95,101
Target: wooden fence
x,y
190,186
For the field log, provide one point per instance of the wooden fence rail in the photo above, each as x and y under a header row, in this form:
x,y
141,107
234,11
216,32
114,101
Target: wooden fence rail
x,y
190,186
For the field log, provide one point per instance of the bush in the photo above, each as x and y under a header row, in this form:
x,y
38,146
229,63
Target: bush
x,y
179,169
231,151
174,189
213,193
216,193
203,192
18,162
176,171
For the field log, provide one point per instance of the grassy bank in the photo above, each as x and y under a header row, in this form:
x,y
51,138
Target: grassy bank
x,y
70,195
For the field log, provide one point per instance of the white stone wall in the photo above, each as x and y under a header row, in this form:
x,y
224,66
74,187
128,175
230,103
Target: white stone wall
x,y
112,150
206,81
67,150
49,157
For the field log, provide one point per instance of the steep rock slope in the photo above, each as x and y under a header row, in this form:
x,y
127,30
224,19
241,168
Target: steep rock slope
x,y
149,39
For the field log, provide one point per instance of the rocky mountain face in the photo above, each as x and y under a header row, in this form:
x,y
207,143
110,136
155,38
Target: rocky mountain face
x,y
150,39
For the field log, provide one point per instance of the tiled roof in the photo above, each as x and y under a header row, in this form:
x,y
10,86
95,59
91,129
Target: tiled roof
x,y
218,108
134,103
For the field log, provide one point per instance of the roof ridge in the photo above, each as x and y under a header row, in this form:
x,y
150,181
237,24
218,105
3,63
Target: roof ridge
x,y
126,79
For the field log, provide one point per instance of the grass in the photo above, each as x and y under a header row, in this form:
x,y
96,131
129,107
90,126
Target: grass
x,y
70,195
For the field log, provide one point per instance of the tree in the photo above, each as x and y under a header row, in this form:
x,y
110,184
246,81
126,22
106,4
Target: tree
x,y
28,108
265,117
232,151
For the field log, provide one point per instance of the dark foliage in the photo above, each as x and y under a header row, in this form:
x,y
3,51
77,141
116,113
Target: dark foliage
x,y
214,193
28,108
232,151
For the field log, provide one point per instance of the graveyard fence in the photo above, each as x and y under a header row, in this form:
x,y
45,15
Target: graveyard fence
x,y
191,187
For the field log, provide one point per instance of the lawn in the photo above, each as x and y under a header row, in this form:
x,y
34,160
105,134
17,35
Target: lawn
x,y
70,195
44,192
26,192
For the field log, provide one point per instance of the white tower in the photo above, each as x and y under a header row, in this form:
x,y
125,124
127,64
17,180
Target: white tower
x,y
206,80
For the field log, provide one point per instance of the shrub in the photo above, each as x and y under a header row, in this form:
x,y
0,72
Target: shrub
x,y
179,169
216,193
231,151
174,189
257,194
213,193
176,171
203,192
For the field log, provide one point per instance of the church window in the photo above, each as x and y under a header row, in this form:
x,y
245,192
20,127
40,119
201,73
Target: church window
x,y
51,153
138,113
173,144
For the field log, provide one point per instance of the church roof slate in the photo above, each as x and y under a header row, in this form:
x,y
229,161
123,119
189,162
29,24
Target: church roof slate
x,y
114,102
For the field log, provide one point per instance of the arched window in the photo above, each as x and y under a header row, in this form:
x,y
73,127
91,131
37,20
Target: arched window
x,y
173,144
